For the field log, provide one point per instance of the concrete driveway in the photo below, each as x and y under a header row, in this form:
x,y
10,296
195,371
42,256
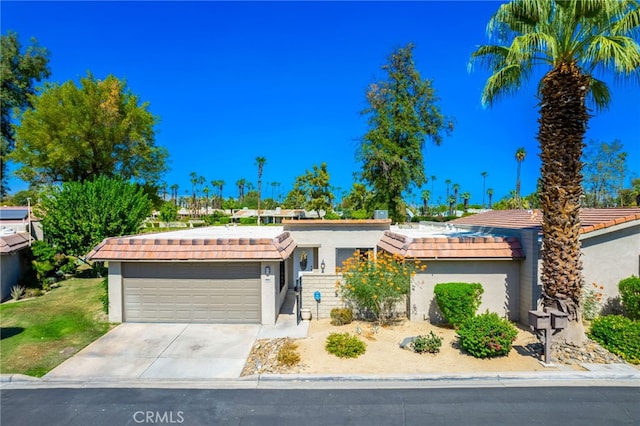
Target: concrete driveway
x,y
163,351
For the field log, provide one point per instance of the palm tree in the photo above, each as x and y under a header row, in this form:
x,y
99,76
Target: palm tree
x,y
425,201
163,189
465,196
456,188
490,194
484,175
447,182
260,162
572,39
174,193
206,202
433,179
194,181
521,153
241,184
452,201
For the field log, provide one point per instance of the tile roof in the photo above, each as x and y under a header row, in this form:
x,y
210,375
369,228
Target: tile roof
x,y
456,247
203,249
592,219
13,243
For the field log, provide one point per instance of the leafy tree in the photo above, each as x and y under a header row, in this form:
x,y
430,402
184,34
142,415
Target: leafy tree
x,y
168,212
572,39
605,165
18,72
403,111
296,199
79,215
521,154
359,198
77,133
315,187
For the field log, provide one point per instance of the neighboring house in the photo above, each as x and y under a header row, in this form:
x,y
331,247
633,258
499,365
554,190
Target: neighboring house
x,y
610,240
13,262
242,274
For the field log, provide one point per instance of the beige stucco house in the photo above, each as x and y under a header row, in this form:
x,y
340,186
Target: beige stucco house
x,y
239,274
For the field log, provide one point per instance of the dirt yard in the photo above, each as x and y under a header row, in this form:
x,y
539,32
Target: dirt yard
x,y
384,355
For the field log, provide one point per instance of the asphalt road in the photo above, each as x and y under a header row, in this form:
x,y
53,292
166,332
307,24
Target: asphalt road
x,y
564,406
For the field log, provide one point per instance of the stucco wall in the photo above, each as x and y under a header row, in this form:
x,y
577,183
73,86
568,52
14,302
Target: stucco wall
x,y
10,265
115,292
611,256
499,279
328,237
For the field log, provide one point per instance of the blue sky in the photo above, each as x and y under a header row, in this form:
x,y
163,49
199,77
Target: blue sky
x,y
231,81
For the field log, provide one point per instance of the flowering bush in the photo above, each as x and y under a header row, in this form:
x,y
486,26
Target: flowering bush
x,y
487,335
591,302
376,284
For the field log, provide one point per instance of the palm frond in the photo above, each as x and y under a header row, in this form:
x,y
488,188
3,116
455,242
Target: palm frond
x,y
598,94
619,53
503,82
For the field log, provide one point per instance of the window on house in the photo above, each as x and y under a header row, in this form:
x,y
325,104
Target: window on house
x,y
343,254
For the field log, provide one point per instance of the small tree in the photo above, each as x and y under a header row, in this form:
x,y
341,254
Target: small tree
x,y
168,212
78,216
375,284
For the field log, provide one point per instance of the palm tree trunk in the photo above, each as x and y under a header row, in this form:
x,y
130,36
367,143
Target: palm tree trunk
x,y
563,123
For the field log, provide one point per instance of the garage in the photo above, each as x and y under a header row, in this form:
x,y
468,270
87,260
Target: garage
x,y
205,292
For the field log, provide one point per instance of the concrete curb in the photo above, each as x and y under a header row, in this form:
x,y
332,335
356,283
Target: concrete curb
x,y
310,381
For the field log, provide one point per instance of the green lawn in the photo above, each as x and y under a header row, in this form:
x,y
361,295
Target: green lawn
x,y
40,333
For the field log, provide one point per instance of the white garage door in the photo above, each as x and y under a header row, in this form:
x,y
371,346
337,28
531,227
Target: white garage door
x,y
192,292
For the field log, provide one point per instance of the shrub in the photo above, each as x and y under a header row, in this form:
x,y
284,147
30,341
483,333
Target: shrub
x,y
430,343
458,302
630,294
33,292
345,345
288,354
590,301
248,220
331,216
17,291
376,285
104,297
487,335
341,316
620,335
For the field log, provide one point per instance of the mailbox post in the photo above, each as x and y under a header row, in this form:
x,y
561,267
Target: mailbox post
x,y
548,322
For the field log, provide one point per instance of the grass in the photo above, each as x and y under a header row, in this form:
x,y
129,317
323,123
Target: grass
x,y
40,333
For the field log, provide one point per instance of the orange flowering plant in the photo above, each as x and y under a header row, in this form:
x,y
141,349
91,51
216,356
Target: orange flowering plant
x,y
374,284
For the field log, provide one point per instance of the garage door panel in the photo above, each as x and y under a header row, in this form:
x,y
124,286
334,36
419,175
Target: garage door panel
x,y
192,292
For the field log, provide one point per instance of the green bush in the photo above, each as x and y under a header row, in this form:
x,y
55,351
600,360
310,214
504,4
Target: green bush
x,y
458,301
620,335
487,335
430,343
248,220
341,316
331,216
104,297
345,345
630,294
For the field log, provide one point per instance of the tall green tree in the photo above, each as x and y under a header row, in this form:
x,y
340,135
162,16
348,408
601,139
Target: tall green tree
x,y
490,194
605,165
521,154
403,112
314,185
260,163
77,133
19,71
573,40
79,215
426,194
